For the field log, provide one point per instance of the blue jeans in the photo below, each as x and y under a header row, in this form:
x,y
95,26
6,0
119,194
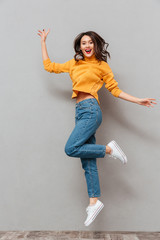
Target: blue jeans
x,y
82,142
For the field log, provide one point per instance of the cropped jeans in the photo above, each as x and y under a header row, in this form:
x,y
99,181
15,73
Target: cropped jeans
x,y
82,142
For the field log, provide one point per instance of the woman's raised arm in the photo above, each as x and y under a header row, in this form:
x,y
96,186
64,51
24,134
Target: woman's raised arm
x,y
48,65
43,36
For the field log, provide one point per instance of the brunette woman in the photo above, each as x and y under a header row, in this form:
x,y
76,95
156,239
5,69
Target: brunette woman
x,y
88,71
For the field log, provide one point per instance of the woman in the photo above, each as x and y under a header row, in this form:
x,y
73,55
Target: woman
x,y
89,70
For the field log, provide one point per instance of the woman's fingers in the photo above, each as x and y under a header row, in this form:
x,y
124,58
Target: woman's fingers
x,y
151,102
40,33
43,34
48,31
148,102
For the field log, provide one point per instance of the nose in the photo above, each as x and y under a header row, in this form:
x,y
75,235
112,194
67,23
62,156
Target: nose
x,y
87,45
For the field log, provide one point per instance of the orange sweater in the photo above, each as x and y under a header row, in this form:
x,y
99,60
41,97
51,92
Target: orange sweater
x,y
87,75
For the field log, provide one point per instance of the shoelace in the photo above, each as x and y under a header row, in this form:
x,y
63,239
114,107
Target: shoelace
x,y
112,156
89,208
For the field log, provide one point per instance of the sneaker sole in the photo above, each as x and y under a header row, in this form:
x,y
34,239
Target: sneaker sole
x,y
92,218
120,150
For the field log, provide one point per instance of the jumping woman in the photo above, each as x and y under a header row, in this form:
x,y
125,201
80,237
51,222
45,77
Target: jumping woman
x,y
88,71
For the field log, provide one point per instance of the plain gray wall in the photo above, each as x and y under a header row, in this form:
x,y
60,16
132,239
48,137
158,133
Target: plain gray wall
x,y
41,187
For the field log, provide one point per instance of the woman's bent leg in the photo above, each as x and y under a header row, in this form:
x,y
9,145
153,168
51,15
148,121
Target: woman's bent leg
x,y
89,118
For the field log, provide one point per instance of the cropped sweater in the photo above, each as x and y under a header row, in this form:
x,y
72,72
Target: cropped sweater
x,y
87,75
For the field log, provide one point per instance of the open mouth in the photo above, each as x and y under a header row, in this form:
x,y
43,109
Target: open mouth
x,y
88,51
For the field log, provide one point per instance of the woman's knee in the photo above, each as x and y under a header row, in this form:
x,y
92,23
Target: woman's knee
x,y
69,150
66,149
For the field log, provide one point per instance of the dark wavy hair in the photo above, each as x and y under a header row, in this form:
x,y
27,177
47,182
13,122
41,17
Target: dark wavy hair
x,y
100,46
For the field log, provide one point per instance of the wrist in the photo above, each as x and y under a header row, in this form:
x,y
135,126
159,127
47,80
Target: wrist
x,y
138,100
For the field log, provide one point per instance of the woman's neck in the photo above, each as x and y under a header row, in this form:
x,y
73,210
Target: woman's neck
x,y
92,58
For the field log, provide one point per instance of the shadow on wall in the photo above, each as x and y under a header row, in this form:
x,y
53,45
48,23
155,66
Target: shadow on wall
x,y
59,86
120,118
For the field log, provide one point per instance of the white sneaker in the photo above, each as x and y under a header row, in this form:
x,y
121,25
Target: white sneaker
x,y
117,152
93,211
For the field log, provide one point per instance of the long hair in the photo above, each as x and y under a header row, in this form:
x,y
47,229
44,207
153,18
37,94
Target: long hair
x,y
100,46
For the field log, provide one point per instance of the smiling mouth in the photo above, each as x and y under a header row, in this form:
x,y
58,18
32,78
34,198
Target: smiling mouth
x,y
88,51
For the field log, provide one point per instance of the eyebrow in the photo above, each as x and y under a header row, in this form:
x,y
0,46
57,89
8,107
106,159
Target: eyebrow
x,y
88,41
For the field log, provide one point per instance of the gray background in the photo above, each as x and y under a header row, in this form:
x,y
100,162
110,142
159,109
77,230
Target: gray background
x,y
41,187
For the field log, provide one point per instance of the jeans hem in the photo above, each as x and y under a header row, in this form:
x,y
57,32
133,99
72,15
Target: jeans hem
x,y
104,152
94,196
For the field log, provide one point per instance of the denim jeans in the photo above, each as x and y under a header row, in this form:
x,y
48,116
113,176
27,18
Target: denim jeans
x,y
82,142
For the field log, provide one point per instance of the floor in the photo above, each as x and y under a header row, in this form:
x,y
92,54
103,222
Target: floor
x,y
75,235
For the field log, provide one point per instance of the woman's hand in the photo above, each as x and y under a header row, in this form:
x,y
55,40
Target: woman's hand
x,y
43,34
146,102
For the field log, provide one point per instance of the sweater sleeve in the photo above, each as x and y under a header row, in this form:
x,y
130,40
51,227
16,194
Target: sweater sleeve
x,y
111,84
56,67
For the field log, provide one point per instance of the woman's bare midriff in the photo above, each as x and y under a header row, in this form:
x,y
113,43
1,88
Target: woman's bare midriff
x,y
82,95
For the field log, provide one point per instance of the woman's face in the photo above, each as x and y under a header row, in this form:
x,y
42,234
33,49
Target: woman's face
x,y
87,46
